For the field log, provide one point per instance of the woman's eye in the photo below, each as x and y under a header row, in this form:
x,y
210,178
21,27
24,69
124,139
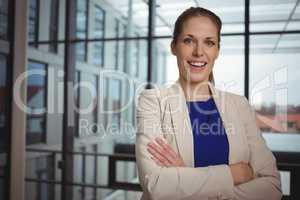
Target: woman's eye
x,y
210,43
188,40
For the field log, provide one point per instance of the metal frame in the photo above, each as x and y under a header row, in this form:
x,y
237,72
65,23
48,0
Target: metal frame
x,y
112,180
112,166
77,114
7,137
10,36
68,116
83,174
96,109
117,44
44,42
290,161
246,44
95,149
151,18
54,47
286,161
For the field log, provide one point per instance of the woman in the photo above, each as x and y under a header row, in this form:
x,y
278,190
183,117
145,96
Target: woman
x,y
194,141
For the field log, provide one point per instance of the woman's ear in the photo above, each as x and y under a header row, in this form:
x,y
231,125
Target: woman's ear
x,y
173,48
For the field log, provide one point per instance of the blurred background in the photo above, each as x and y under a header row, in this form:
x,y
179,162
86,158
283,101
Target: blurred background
x,y
75,139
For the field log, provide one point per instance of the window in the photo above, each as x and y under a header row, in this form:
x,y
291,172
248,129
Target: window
x,y
136,57
77,102
95,83
81,29
44,171
115,97
3,18
95,170
143,60
36,103
268,16
99,27
117,44
41,168
229,67
134,105
122,49
53,29
83,172
112,102
88,104
154,70
274,82
33,22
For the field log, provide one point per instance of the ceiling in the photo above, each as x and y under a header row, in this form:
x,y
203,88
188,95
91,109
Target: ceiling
x,y
265,15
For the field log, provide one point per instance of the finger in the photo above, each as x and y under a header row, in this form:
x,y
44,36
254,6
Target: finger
x,y
160,158
158,162
166,147
159,150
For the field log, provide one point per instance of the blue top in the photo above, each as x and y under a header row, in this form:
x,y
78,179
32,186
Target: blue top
x,y
211,146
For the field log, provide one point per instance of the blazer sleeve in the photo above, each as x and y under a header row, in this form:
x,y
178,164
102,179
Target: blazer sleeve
x,y
175,182
266,184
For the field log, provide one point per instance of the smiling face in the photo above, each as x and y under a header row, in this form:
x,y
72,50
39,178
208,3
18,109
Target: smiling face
x,y
196,49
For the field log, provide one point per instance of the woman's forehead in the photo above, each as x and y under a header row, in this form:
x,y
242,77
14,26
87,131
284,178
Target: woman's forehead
x,y
199,21
199,26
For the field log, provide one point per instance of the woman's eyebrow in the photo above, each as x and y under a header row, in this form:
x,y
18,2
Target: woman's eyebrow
x,y
211,38
190,35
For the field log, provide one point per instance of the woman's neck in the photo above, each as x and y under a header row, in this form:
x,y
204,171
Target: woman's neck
x,y
195,91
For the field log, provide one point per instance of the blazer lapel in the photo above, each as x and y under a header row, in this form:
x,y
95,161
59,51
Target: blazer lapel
x,y
225,109
181,123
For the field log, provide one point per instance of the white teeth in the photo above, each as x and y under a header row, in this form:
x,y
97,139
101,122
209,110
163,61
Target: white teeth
x,y
198,64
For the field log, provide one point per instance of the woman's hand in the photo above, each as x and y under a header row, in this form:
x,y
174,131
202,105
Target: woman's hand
x,y
164,155
241,173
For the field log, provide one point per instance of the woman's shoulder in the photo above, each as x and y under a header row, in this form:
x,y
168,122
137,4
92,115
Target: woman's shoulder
x,y
151,101
156,91
238,100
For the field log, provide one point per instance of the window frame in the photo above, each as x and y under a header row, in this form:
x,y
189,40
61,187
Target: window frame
x,y
85,31
54,25
36,20
99,44
45,115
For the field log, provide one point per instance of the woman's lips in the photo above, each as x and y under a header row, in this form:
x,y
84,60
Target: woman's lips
x,y
198,66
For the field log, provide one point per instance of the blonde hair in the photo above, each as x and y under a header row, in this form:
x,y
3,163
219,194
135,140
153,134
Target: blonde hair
x,y
211,78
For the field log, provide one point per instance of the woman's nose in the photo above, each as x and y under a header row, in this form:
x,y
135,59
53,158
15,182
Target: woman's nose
x,y
198,50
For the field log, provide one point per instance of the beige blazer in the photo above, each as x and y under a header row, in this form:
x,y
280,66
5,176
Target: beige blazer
x,y
163,113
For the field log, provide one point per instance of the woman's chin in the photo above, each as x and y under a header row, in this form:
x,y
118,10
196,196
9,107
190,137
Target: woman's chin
x,y
197,80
